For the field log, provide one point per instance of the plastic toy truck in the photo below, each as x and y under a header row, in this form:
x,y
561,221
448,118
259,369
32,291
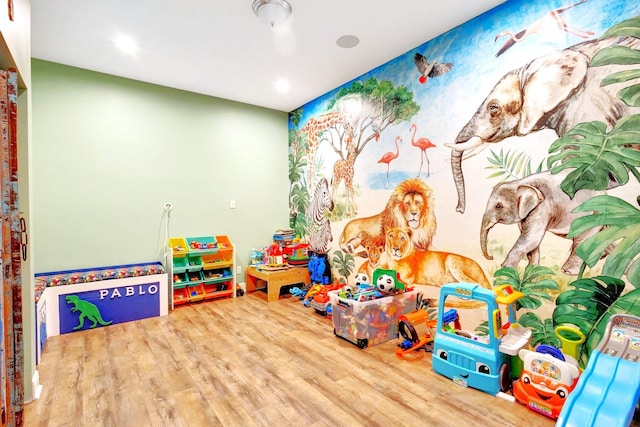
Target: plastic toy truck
x,y
482,360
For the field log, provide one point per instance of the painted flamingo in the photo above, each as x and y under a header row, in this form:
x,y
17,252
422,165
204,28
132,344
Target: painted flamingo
x,y
422,144
389,156
550,21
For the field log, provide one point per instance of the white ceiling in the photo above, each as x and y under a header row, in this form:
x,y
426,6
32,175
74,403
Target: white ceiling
x,y
220,48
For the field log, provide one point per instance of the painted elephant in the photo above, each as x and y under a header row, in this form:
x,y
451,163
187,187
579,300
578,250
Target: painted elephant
x,y
537,204
556,91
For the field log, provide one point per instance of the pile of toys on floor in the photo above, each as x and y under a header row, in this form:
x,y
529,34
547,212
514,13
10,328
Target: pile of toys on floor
x,y
365,313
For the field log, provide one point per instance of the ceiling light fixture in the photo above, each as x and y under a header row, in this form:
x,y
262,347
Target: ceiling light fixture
x,y
348,41
126,44
272,12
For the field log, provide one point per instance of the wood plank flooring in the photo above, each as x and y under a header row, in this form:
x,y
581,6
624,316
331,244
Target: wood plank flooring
x,y
246,362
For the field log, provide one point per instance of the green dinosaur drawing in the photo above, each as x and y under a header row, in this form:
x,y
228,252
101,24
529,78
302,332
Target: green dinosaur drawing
x,y
87,311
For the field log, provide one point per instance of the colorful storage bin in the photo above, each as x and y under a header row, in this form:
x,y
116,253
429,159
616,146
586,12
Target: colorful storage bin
x,y
371,322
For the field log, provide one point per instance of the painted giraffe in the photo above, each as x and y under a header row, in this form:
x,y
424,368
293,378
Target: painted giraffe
x,y
314,128
343,170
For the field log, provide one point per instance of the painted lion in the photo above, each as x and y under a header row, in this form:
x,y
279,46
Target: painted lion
x,y
429,267
410,205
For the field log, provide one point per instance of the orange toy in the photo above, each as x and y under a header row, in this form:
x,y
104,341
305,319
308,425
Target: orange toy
x,y
413,341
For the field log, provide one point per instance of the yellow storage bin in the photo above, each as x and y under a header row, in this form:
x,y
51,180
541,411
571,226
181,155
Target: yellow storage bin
x,y
179,246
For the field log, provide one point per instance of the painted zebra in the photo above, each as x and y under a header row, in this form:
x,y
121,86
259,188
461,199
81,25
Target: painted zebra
x,y
319,227
321,199
320,237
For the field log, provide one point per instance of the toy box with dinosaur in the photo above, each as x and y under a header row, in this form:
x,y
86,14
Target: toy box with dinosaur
x,y
75,300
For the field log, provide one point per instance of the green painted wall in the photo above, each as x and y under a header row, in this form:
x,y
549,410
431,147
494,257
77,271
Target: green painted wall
x,y
109,152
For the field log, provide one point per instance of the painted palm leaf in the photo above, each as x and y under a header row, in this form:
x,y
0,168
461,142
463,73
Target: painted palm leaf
x,y
541,332
533,284
630,27
622,228
622,55
587,303
596,155
626,304
509,165
344,263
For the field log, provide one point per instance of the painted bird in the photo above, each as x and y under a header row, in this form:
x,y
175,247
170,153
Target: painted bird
x,y
430,69
389,156
547,24
423,144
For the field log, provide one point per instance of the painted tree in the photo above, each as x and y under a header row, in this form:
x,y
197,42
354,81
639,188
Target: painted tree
x,y
369,107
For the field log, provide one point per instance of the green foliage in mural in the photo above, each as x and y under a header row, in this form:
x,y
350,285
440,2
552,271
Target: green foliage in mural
x,y
534,284
387,105
597,155
344,263
542,332
510,165
294,117
590,305
622,55
298,193
622,233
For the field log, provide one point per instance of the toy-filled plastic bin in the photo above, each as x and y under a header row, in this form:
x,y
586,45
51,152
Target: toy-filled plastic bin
x,y
180,296
180,280
202,245
217,275
373,322
178,246
194,277
180,265
217,290
196,292
221,259
224,242
194,262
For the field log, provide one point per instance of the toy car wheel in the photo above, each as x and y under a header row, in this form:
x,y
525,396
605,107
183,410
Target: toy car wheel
x,y
362,343
505,377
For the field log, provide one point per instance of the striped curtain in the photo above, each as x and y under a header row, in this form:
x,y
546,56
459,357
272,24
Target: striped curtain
x,y
11,343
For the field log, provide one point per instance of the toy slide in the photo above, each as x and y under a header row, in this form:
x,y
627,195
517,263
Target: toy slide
x,y
608,389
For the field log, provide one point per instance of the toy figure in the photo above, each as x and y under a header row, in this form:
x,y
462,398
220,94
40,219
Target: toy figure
x,y
316,269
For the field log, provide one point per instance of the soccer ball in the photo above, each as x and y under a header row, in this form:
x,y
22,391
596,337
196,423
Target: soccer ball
x,y
361,279
385,283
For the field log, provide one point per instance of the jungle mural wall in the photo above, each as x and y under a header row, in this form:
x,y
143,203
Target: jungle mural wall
x,y
505,151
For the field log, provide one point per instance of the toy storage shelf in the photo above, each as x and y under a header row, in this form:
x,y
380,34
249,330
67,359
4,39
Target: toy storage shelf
x,y
203,271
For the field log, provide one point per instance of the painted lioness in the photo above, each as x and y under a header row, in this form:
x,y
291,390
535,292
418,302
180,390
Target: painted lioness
x,y
430,267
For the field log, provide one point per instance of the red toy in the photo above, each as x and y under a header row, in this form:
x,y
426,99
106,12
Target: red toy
x,y
545,382
321,301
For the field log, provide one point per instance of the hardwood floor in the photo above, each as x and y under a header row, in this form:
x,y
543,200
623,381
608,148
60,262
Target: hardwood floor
x,y
246,362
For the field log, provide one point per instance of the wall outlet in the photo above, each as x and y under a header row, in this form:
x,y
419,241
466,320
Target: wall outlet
x,y
238,269
232,204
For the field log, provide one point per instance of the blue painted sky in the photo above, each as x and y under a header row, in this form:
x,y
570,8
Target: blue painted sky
x,y
447,102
